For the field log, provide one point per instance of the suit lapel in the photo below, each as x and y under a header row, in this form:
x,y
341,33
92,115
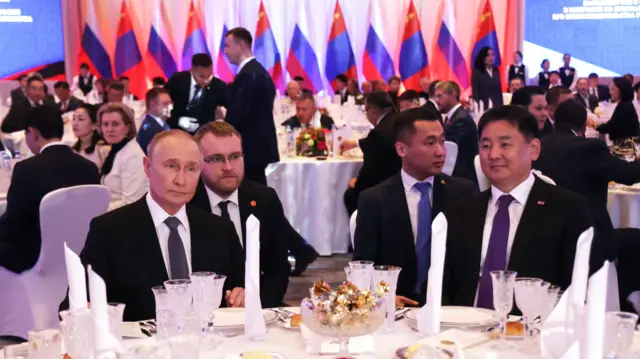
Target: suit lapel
x,y
200,198
399,209
532,218
439,196
475,230
149,243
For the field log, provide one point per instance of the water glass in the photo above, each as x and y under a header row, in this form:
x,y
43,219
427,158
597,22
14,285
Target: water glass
x,y
207,288
389,275
45,344
503,286
18,351
329,140
146,351
184,346
549,303
77,331
360,274
180,299
619,330
116,312
166,323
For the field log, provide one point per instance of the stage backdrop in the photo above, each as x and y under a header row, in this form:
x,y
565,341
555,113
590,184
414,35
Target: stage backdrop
x,y
117,32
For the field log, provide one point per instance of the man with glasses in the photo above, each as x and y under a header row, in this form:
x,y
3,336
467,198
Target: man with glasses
x,y
224,191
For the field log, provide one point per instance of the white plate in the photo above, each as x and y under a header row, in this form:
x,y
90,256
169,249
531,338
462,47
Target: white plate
x,y
461,316
286,324
233,318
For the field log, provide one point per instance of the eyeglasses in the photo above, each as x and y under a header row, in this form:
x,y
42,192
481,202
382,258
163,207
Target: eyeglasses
x,y
220,159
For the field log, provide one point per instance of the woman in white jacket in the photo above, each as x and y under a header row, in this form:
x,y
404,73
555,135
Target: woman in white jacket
x,y
122,171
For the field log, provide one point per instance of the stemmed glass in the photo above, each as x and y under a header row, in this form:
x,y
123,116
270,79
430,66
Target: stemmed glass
x,y
389,275
207,296
530,295
180,299
166,325
360,274
619,329
503,284
549,303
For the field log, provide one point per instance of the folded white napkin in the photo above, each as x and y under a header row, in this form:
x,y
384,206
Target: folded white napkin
x,y
319,345
429,315
592,342
76,278
105,345
315,120
254,326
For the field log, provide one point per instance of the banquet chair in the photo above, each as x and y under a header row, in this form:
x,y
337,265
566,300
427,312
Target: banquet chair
x,y
65,215
543,177
451,157
483,181
352,228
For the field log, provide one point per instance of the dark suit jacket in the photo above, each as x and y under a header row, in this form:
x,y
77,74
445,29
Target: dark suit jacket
x,y
250,111
383,232
17,95
623,122
603,93
149,128
591,104
293,122
123,248
431,106
544,245
485,87
547,129
14,120
274,230
74,103
56,167
462,130
213,95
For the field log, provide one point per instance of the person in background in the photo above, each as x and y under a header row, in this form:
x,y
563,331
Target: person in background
x,y
300,81
83,81
543,76
340,87
98,95
158,82
425,84
515,84
623,124
518,69
485,81
554,97
583,96
431,103
115,93
380,160
354,91
568,75
158,104
128,96
379,85
555,80
600,91
636,89
121,170
67,102
19,94
36,96
90,143
628,77
394,88
306,112
292,93
532,99
408,99
367,88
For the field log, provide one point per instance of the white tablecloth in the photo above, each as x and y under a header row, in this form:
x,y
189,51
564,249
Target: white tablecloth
x,y
624,208
312,192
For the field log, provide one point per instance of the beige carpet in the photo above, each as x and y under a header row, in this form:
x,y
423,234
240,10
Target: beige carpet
x,y
330,269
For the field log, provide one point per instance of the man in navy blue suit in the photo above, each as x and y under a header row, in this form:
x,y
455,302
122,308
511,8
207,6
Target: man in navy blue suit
x,y
158,111
250,105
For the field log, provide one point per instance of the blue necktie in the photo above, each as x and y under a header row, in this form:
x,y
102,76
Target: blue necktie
x,y
423,241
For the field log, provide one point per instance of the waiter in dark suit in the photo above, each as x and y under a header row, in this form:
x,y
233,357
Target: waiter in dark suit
x,y
20,93
340,84
157,238
555,96
521,224
584,97
250,108
36,96
55,166
394,217
223,191
305,111
568,75
380,160
67,101
600,91
158,104
459,127
196,95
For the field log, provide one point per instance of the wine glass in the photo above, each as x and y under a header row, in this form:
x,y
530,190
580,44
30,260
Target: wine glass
x,y
549,303
530,293
361,273
389,275
180,299
503,284
620,327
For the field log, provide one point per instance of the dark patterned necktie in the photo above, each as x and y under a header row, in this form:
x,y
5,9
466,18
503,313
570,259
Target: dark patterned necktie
x,y
224,209
177,255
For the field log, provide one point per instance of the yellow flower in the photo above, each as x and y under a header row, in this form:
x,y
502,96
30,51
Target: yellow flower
x,y
310,143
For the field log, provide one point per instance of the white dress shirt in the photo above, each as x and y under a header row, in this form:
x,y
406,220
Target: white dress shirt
x,y
159,215
413,199
244,62
127,181
232,207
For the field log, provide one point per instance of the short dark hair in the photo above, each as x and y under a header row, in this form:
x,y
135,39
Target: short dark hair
x,y
84,65
342,78
628,77
405,121
409,95
517,116
524,96
19,78
570,115
47,119
158,81
566,54
543,61
34,78
201,60
554,73
432,88
61,85
554,93
116,86
519,53
624,87
153,94
593,75
241,34
636,87
380,99
298,78
394,78
123,78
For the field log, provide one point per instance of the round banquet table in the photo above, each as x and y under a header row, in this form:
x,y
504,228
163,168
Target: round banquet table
x,y
624,208
311,193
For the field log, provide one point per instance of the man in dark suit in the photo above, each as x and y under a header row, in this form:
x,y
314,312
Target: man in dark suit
x,y
300,81
55,166
521,224
554,97
394,89
380,160
584,97
196,95
67,102
425,85
459,127
20,93
36,96
431,103
354,91
157,238
250,108
158,104
223,191
340,86
532,99
409,99
128,96
306,110
600,91
389,228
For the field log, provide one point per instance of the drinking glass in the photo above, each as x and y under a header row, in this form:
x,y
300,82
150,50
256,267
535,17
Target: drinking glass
x,y
18,351
549,303
184,346
329,140
619,330
180,298
116,312
361,272
166,324
207,290
77,331
503,284
45,344
389,275
530,294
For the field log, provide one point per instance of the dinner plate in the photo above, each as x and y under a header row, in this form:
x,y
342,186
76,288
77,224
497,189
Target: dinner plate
x,y
461,316
284,321
402,353
233,318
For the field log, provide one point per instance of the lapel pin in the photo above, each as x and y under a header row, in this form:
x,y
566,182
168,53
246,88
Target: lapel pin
x,y
443,182
541,203
252,203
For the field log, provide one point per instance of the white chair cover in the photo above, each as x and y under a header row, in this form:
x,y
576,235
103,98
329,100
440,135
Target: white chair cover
x,y
352,228
543,177
483,181
65,215
450,159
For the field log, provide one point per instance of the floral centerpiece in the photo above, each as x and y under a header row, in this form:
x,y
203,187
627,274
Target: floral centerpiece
x,y
312,142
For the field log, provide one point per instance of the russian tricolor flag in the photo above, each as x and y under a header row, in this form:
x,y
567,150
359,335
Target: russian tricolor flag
x,y
340,59
447,51
128,60
159,60
376,62
92,51
413,56
266,51
486,34
194,42
302,60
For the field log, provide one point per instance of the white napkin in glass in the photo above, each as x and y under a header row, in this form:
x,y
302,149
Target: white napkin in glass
x,y
592,343
254,326
76,278
315,120
105,344
429,315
